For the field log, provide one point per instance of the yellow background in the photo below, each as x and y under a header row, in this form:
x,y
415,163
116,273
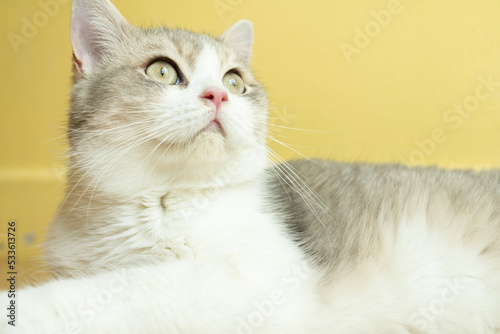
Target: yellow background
x,y
376,105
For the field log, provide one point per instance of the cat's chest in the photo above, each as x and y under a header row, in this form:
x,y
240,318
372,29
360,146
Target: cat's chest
x,y
199,224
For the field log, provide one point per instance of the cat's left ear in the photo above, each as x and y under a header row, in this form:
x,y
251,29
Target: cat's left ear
x,y
240,38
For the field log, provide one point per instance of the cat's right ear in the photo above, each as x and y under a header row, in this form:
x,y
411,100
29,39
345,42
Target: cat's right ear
x,y
96,25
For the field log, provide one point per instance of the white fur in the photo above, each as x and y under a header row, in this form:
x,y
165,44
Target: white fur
x,y
241,259
424,283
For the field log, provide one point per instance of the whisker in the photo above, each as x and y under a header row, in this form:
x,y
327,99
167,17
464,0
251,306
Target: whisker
x,y
302,183
299,189
151,12
131,146
143,139
302,155
297,129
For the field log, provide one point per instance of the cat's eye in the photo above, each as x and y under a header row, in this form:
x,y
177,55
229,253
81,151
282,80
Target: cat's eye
x,y
234,83
163,72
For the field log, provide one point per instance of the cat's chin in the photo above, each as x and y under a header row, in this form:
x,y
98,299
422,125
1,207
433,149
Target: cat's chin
x,y
210,144
210,154
214,126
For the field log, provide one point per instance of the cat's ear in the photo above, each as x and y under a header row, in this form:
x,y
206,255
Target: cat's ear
x,y
240,38
96,25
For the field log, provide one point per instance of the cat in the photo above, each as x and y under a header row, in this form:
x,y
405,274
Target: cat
x,y
174,222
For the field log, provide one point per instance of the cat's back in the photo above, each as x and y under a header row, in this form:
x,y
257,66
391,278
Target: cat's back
x,y
346,213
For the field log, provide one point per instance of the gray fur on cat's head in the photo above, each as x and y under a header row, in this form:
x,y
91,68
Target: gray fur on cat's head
x,y
128,132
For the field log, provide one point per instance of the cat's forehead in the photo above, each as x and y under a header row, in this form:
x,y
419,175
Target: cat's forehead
x,y
187,48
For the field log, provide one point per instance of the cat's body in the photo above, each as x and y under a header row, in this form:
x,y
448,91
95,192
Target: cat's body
x,y
423,260
173,224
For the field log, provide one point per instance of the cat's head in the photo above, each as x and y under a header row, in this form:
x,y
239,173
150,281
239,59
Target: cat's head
x,y
159,105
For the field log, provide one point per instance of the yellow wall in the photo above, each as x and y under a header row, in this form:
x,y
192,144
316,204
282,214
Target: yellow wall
x,y
369,98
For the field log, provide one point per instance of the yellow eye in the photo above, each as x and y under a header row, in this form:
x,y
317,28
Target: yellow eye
x,y
234,83
163,72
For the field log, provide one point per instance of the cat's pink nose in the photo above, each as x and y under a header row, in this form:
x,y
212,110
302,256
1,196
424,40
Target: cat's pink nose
x,y
216,95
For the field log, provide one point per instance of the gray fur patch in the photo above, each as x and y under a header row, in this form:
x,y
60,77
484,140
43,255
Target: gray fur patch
x,y
344,214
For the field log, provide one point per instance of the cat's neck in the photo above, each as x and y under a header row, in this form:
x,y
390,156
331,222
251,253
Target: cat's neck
x,y
132,177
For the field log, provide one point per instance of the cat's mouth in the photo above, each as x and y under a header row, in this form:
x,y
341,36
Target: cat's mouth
x,y
214,126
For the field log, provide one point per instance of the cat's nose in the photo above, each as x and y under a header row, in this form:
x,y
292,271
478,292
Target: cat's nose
x,y
216,95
